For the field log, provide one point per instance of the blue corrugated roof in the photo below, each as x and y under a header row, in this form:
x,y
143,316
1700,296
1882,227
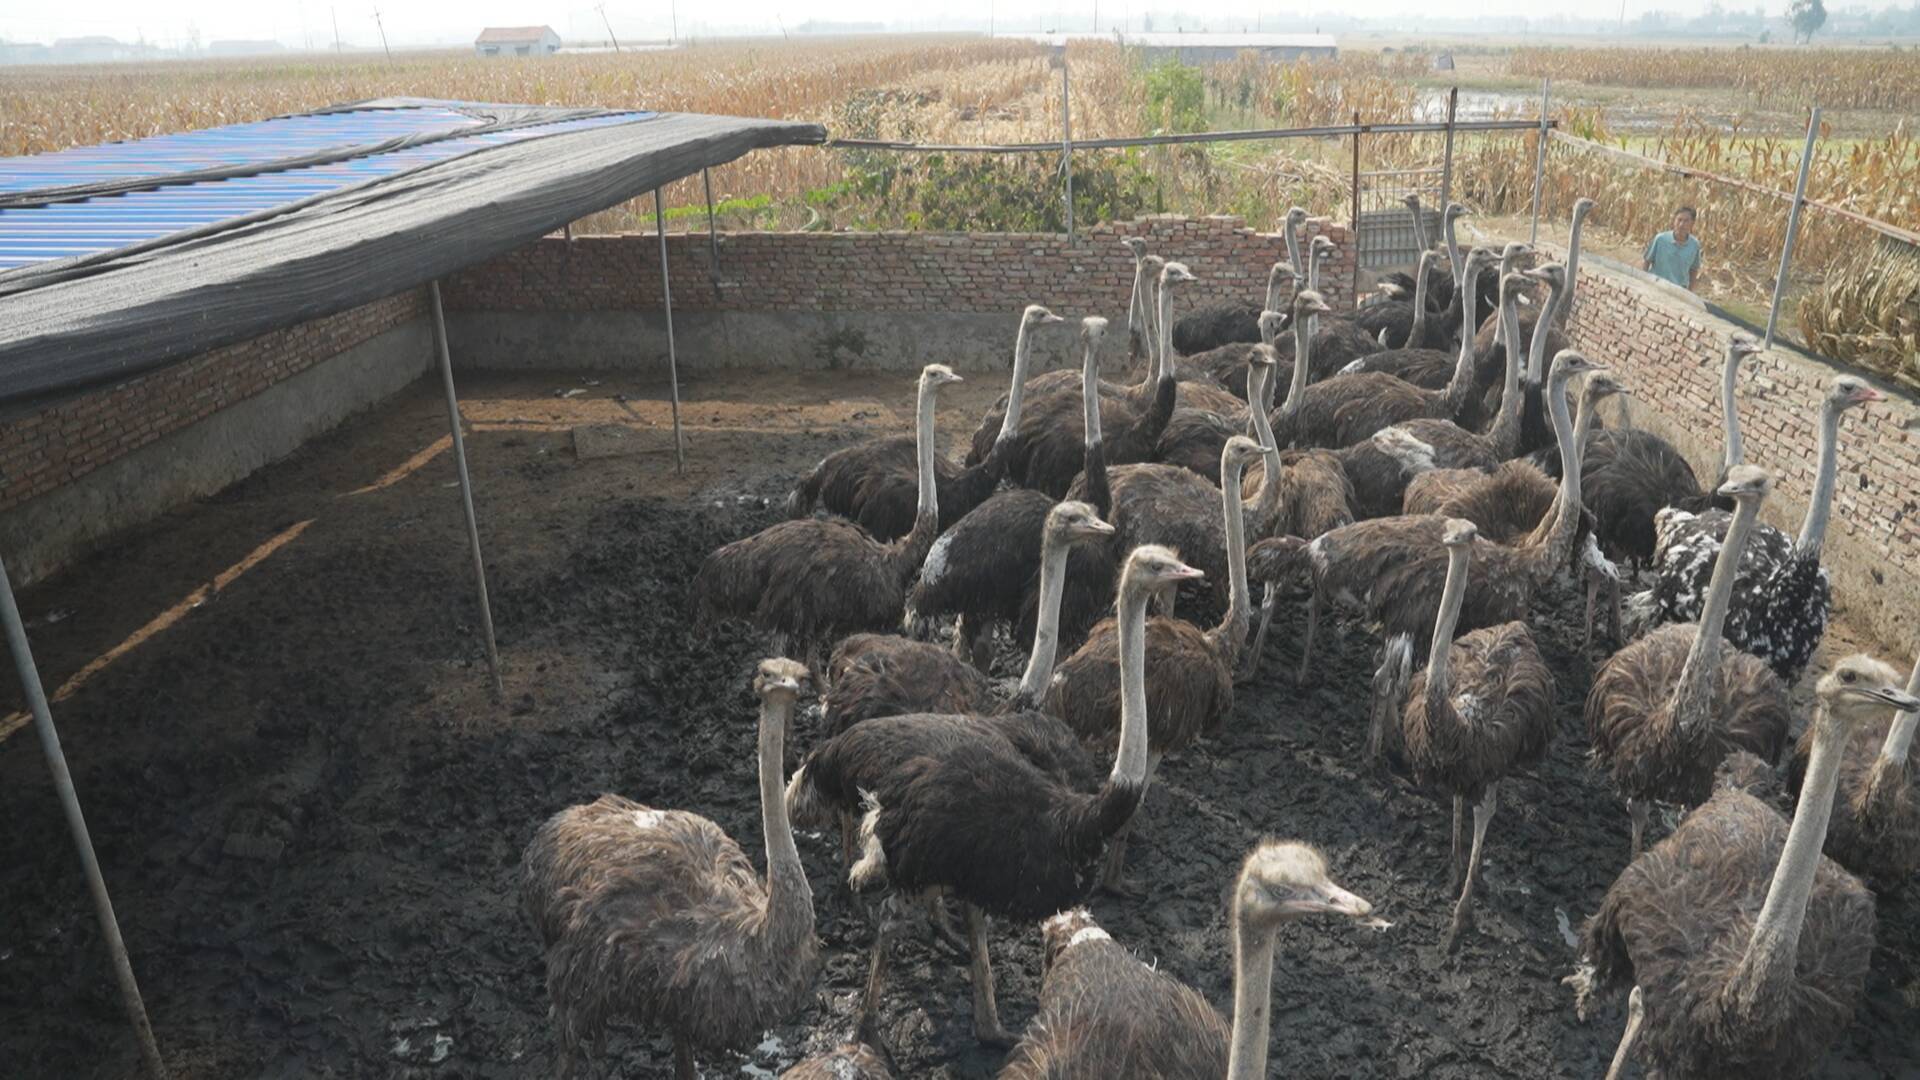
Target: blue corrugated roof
x,y
103,223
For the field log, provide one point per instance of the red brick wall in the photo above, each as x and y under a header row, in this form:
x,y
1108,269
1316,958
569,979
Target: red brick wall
x,y
46,447
981,273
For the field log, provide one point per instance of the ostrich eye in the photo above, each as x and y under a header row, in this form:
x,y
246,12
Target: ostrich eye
x,y
1846,676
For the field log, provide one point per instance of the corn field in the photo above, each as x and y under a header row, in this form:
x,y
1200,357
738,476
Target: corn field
x,y
1765,76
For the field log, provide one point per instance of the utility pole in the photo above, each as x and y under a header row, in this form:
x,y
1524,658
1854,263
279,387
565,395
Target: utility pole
x,y
335,15
383,35
673,12
602,9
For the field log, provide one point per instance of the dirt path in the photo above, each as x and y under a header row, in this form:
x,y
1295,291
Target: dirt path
x,y
311,813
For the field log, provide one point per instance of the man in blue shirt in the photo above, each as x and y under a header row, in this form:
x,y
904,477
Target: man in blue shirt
x,y
1675,255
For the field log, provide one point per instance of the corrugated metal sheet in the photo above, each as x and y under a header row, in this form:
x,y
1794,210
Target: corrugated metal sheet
x,y
90,226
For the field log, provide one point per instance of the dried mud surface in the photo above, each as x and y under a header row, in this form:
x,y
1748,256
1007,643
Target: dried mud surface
x,y
311,813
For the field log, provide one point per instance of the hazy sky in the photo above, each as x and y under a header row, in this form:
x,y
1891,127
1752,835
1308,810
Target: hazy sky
x,y
424,21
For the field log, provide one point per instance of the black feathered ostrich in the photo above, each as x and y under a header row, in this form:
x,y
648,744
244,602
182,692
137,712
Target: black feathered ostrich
x,y
1876,818
1665,710
1229,322
1189,671
1782,601
812,582
954,803
657,916
1747,950
1482,709
876,483
985,570
1103,1013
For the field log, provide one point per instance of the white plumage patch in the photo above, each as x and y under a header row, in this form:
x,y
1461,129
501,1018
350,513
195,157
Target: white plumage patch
x,y
1353,367
936,565
803,802
871,869
648,819
1088,933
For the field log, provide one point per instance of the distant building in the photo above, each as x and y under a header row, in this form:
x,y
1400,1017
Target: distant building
x,y
23,52
93,49
243,48
1213,48
517,41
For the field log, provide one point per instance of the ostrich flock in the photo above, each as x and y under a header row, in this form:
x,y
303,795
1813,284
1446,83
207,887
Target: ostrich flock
x,y
1425,466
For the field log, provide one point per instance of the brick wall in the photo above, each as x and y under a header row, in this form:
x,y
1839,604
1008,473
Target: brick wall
x,y
46,447
974,273
1668,350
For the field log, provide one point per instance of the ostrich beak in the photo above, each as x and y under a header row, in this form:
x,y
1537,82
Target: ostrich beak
x,y
1866,394
1050,317
1330,899
1100,527
1897,698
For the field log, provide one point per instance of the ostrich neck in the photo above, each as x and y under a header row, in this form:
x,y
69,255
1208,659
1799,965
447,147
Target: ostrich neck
x,y
1136,330
1094,464
1150,331
1730,411
1232,631
1462,382
1417,333
1553,544
1900,736
1163,331
1046,632
1440,651
1269,497
1813,529
1504,434
1455,264
1775,946
1419,228
1302,360
1537,348
1273,288
1017,391
1506,267
1562,306
1252,1001
1293,250
786,881
908,551
1130,763
1691,695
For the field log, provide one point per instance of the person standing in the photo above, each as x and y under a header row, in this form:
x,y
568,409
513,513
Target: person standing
x,y
1674,255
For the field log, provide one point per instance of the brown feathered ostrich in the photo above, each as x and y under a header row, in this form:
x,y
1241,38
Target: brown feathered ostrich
x,y
985,570
1876,821
1345,409
876,483
812,582
1430,367
1666,709
1482,709
848,1061
657,916
1310,491
1748,947
1103,1013
1189,671
1403,321
1227,364
954,803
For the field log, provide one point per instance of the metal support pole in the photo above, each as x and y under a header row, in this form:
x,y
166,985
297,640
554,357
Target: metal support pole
x,y
713,235
1353,279
1793,225
1446,163
466,489
673,358
1066,137
77,826
1540,162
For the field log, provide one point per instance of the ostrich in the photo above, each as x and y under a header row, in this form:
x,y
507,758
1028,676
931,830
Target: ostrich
x,y
983,570
1664,710
1749,948
873,675
1103,1013
1782,598
1876,825
1482,709
1229,322
1290,230
1563,308
1534,430
1226,365
1336,341
1139,328
1303,497
1456,265
1189,671
1168,505
1428,367
953,803
657,916
875,482
1406,324
813,582
1345,409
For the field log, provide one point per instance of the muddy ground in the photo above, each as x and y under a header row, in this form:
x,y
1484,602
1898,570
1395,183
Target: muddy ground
x,y
311,812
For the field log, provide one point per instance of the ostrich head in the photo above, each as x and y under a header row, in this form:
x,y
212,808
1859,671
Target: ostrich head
x,y
1553,274
1570,363
1264,356
1271,323
780,677
1458,532
1322,248
1859,686
1602,385
1428,260
1296,217
1092,329
1307,302
1851,392
1745,482
1077,521
1281,881
1035,315
1745,345
1175,272
1411,202
1582,207
1240,452
1154,567
1456,211
1137,245
1515,249
937,375
1515,282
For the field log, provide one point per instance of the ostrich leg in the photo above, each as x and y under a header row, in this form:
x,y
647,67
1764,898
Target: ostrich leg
x,y
1459,816
1636,1014
1593,593
1482,817
986,1012
1313,624
1637,811
683,1060
889,921
1267,605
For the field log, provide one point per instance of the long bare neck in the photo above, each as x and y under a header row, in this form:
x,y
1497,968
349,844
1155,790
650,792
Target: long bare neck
x,y
1420,228
1273,287
1462,382
1556,541
1150,316
1900,736
1094,465
1418,332
1252,1001
1692,693
1046,631
1455,261
1775,946
786,881
1232,631
908,551
1293,251
1163,332
1813,528
1730,411
1017,390
1504,433
1268,500
1563,305
1440,651
1537,348
1136,328
1130,763
1302,360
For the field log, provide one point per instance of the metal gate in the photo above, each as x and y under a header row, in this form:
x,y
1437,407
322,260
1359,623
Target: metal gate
x,y
1387,235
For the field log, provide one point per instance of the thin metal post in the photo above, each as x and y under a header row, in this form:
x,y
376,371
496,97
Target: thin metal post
x,y
1540,162
1446,164
1066,137
466,489
713,235
1793,224
1354,238
77,825
673,359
